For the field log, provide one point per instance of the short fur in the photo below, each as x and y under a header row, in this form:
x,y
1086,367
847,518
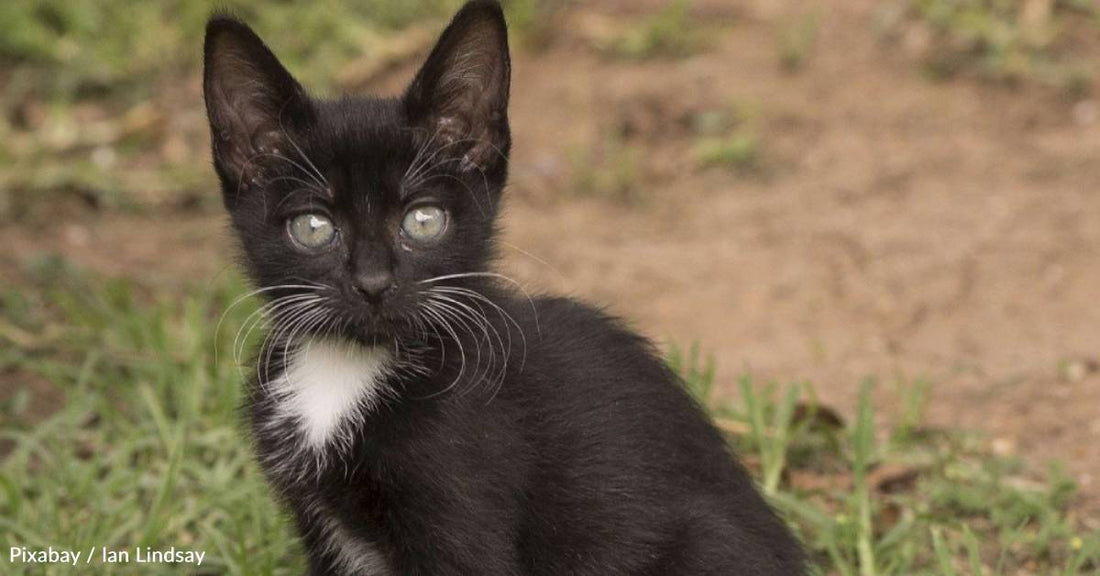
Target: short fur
x,y
417,413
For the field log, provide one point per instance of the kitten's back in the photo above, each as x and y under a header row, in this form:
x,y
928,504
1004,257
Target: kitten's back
x,y
627,460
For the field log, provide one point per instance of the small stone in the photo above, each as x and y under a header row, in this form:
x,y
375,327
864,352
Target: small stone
x,y
1086,112
1077,369
104,157
77,235
1004,447
917,42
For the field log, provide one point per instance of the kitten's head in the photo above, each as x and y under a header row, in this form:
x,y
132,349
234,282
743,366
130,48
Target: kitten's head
x,y
351,211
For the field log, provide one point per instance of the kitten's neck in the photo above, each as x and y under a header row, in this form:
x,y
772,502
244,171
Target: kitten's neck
x,y
308,413
329,384
316,397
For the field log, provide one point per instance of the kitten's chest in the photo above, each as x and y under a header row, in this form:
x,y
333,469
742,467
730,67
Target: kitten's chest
x,y
310,414
306,424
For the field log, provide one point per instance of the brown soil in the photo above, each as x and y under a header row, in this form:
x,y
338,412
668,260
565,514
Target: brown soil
x,y
894,227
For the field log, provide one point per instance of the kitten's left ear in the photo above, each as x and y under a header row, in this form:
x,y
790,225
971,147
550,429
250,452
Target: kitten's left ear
x,y
461,94
252,102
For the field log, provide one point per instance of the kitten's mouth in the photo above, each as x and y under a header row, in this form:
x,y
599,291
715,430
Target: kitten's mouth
x,y
372,331
374,338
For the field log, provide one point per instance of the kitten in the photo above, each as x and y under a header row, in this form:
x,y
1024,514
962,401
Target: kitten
x,y
417,413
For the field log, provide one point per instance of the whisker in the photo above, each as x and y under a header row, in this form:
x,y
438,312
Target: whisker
x,y
477,202
304,321
316,173
500,311
512,281
532,256
461,320
237,301
263,313
323,184
483,322
420,161
306,325
432,312
282,325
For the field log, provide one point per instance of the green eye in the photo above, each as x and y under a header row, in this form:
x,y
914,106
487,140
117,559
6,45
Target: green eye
x,y
312,230
425,223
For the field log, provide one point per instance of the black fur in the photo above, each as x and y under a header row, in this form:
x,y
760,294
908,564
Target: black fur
x,y
518,436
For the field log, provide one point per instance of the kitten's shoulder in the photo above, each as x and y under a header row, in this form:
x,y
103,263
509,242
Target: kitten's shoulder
x,y
564,316
587,333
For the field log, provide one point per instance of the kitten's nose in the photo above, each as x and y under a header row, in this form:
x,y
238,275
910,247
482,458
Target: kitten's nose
x,y
374,284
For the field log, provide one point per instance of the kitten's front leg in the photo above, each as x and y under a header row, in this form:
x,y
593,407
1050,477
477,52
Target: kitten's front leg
x,y
420,543
335,550
450,567
475,544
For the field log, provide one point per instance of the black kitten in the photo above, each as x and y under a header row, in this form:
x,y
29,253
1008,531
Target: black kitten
x,y
417,415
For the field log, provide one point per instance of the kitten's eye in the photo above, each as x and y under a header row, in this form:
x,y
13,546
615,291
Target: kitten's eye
x,y
425,223
312,230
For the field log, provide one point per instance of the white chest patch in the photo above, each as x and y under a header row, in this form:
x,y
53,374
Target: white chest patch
x,y
328,382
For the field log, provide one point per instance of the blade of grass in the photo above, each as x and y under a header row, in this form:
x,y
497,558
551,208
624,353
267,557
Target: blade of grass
x,y
943,553
863,439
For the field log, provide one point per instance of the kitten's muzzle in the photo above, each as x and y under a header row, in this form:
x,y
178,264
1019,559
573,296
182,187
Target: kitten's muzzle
x,y
375,285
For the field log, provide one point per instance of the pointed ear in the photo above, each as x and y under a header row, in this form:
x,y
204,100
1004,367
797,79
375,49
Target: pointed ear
x,y
460,96
252,102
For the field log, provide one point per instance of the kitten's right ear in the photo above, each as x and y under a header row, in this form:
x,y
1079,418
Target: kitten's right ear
x,y
460,95
252,102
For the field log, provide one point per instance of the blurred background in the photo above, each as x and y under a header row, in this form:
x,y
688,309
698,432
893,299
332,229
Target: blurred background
x,y
821,192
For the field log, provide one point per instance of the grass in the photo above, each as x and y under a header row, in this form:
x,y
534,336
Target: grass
x,y
869,500
118,48
1008,41
727,138
98,99
739,150
611,170
111,46
145,450
796,39
532,22
670,33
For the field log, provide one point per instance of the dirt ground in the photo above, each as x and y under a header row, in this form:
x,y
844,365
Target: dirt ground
x,y
895,227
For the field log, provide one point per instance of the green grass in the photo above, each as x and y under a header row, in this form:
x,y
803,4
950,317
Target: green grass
x,y
796,39
869,500
83,48
727,137
612,170
531,23
119,48
98,100
1004,40
739,150
145,449
670,33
